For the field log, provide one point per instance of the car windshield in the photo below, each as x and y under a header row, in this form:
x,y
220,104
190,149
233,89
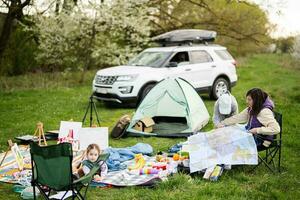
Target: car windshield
x,y
150,59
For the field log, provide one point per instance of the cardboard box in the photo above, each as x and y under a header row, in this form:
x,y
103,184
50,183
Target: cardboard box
x,y
145,125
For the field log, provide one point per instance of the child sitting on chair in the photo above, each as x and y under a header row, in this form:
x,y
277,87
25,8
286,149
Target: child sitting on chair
x,y
92,153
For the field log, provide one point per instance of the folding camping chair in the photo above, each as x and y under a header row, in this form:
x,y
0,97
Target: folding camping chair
x,y
52,171
271,151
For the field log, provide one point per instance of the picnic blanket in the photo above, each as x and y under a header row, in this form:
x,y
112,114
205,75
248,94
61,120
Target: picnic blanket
x,y
125,178
9,167
9,172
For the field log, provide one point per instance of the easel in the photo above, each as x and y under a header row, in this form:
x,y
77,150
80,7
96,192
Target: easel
x,y
39,133
10,144
91,106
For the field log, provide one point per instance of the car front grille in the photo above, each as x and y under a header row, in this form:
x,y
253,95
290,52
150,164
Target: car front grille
x,y
105,80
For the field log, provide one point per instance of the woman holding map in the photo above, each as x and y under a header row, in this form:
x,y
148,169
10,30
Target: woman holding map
x,y
259,117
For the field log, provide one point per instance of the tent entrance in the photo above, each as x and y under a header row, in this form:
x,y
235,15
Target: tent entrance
x,y
168,125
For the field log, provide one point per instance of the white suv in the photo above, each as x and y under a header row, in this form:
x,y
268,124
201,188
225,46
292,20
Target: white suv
x,y
208,68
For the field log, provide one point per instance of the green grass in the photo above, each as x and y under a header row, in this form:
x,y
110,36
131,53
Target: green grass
x,y
21,107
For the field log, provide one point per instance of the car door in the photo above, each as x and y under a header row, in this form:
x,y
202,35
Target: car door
x,y
201,67
182,68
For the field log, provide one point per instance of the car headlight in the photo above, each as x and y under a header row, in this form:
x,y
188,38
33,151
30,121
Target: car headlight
x,y
126,77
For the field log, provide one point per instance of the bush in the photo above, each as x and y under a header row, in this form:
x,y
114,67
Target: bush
x,y
285,45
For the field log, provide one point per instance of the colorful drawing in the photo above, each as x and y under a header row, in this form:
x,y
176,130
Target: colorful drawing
x,y
65,127
18,156
70,139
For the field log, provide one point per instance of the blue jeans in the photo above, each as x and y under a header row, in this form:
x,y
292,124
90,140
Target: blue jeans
x,y
259,139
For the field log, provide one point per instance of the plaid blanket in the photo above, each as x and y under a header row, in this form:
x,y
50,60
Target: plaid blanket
x,y
9,172
9,167
125,178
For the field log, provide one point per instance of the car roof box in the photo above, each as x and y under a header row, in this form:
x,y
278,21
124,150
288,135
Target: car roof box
x,y
185,36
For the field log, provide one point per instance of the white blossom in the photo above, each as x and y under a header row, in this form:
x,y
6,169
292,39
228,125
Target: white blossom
x,y
110,33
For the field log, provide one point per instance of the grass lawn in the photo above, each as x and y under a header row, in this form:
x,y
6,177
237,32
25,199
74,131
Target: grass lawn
x,y
21,107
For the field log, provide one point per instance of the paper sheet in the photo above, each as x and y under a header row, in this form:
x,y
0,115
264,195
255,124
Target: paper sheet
x,y
98,136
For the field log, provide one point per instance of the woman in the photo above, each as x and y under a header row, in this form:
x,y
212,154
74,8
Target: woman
x,y
259,117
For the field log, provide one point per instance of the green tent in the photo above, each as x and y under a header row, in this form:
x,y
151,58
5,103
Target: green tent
x,y
175,107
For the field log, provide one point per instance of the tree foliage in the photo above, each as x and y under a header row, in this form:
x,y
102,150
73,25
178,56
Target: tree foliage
x,y
241,25
285,44
73,34
93,34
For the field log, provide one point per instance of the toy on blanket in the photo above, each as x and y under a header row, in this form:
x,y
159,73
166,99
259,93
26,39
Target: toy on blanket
x,y
157,165
182,157
162,158
161,169
147,170
162,166
139,162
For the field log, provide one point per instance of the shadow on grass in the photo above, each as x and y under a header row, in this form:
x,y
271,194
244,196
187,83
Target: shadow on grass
x,y
113,105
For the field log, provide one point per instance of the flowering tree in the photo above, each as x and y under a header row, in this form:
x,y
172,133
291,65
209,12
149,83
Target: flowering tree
x,y
125,30
94,33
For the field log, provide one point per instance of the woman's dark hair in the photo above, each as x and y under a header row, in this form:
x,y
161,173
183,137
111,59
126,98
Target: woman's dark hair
x,y
259,97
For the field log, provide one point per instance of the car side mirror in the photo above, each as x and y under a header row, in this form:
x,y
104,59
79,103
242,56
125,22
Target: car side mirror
x,y
172,64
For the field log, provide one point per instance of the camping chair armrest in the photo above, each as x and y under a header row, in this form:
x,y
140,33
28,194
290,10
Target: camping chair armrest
x,y
88,177
277,140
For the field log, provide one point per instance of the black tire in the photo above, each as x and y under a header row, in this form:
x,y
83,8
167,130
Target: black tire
x,y
219,84
145,91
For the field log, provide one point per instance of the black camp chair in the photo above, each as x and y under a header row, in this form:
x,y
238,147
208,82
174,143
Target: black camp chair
x,y
52,170
272,151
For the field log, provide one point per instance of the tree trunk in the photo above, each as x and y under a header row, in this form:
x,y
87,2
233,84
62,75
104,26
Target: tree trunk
x,y
88,59
57,5
6,30
15,11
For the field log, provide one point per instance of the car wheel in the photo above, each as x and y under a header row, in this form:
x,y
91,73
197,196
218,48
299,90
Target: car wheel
x,y
145,91
219,87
